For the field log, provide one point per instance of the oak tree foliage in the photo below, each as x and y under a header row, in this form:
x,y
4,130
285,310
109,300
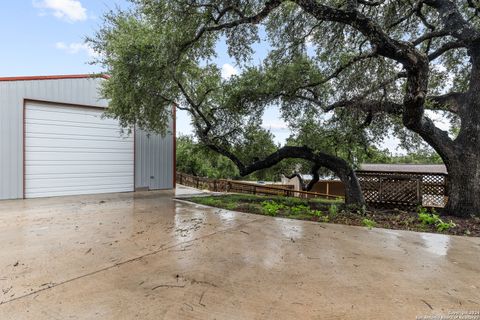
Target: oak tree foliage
x,y
357,70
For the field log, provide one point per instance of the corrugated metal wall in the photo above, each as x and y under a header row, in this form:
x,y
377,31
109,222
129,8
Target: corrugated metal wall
x,y
74,91
154,160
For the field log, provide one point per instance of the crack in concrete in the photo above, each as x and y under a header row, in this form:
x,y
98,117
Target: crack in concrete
x,y
119,264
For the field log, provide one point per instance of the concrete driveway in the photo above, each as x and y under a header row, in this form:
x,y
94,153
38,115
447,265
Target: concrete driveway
x,y
146,256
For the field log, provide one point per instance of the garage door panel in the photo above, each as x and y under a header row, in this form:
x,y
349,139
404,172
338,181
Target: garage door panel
x,y
92,122
73,131
71,150
59,182
77,175
64,115
79,169
70,124
68,191
75,156
84,118
74,144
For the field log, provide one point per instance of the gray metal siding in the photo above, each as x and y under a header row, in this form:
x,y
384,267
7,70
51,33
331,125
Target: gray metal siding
x,y
73,91
153,160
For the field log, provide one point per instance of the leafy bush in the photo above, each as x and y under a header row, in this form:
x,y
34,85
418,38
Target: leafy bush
x,y
443,226
290,201
271,208
428,219
369,223
434,219
231,205
333,210
299,209
422,210
317,213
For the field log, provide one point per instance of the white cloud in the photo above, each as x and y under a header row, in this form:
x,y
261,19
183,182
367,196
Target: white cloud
x,y
275,125
77,47
228,71
69,10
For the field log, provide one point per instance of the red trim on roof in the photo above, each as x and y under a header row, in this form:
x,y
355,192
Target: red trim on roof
x,y
55,77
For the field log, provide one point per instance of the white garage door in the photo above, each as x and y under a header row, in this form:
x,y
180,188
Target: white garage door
x,y
73,150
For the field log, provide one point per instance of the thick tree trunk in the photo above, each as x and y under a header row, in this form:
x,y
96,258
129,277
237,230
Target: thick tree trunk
x,y
463,186
353,191
464,166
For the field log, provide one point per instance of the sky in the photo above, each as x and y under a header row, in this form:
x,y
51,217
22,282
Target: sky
x,y
47,37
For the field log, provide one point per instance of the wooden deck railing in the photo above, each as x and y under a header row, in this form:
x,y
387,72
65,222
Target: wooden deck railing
x,y
222,185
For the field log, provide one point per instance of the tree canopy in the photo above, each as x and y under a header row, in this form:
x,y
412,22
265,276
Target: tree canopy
x,y
364,68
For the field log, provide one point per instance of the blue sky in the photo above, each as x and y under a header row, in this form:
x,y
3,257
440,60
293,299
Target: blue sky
x,y
46,37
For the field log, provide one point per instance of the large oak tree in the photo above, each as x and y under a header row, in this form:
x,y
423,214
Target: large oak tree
x,y
377,65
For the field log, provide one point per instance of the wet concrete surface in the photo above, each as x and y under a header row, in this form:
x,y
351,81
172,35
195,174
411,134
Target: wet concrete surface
x,y
147,256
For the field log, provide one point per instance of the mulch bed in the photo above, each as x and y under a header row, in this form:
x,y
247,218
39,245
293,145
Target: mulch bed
x,y
404,220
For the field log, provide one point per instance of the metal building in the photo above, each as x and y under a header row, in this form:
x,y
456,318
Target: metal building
x,y
54,141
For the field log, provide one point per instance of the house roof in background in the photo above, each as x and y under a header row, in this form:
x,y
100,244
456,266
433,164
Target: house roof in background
x,y
415,168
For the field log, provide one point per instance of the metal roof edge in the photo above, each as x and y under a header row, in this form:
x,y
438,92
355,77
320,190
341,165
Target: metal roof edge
x,y
54,77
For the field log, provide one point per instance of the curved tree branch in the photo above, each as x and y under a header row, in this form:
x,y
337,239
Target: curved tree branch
x,y
453,20
339,166
452,102
315,177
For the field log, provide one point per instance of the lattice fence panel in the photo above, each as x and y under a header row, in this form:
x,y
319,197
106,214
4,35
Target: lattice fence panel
x,y
370,186
434,190
404,188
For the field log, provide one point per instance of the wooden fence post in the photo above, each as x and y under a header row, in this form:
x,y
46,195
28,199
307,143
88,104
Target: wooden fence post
x,y
380,190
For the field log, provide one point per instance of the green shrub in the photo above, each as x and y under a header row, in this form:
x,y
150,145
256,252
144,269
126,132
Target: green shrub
x,y
231,205
433,219
369,223
317,213
443,226
291,202
271,208
299,209
428,219
333,210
